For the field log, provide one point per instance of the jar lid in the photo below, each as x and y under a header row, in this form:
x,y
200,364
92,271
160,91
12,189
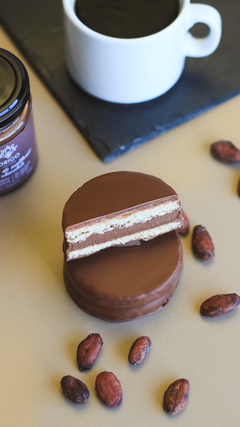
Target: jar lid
x,y
14,87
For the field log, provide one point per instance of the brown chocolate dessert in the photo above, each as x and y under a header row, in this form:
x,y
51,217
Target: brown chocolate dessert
x,y
128,207
122,283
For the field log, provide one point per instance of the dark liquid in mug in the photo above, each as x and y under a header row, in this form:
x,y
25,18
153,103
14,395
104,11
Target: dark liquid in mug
x,y
127,18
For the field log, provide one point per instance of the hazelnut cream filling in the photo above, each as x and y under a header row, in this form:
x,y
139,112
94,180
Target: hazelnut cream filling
x,y
142,222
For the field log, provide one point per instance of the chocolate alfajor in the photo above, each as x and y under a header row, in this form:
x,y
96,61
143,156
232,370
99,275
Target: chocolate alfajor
x,y
123,281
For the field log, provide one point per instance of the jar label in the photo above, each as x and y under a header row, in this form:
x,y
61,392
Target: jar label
x,y
18,158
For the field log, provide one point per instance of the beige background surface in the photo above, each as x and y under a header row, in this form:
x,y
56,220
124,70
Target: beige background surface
x,y
40,326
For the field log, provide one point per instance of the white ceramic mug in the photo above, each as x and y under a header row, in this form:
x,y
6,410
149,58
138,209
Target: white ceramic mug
x,y
139,69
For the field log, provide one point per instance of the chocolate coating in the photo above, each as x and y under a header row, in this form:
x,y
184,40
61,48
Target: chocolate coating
x,y
122,283
113,192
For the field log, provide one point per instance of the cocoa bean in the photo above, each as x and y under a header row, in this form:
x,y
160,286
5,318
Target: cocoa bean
x,y
219,305
176,396
109,389
74,389
88,351
225,151
184,229
139,350
202,244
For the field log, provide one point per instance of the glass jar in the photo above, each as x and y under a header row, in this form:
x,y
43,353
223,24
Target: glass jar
x,y
18,150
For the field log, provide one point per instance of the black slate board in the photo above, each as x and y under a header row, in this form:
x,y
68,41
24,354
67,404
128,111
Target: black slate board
x,y
113,129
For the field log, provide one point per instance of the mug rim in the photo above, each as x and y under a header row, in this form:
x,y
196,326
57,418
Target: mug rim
x,y
68,7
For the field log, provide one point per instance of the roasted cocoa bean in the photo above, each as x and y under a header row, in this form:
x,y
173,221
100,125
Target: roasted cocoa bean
x,y
176,396
219,305
74,389
184,229
109,389
88,351
139,350
202,244
225,151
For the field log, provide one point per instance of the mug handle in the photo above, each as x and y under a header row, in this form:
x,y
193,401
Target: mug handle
x,y
199,47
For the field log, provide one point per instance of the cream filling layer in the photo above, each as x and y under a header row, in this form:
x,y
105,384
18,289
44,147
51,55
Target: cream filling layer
x,y
140,235
80,232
